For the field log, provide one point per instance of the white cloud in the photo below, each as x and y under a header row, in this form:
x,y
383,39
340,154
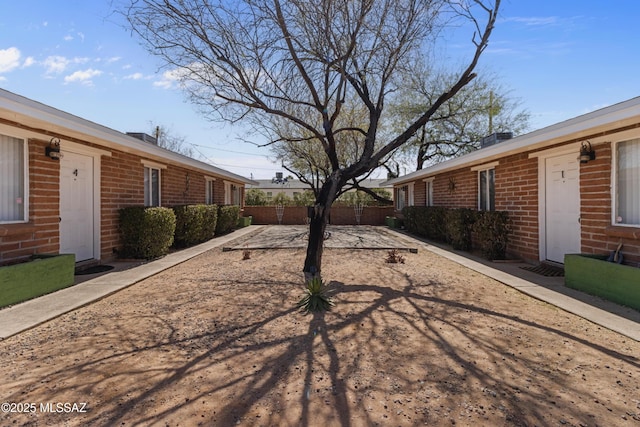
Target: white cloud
x,y
83,77
170,78
534,20
28,62
59,64
68,38
56,64
134,76
9,59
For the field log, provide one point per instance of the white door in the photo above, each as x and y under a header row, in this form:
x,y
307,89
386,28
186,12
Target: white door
x,y
562,207
76,206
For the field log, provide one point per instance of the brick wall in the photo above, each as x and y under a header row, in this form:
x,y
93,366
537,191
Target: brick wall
x,y
40,234
457,189
297,215
123,185
599,236
516,181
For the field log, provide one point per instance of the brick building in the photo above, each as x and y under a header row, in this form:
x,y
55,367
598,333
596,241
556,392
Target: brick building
x,y
561,198
63,180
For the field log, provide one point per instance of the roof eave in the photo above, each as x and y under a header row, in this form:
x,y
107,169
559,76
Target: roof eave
x,y
24,108
610,117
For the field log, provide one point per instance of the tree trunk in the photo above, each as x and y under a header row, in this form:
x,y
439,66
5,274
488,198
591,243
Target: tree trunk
x,y
318,225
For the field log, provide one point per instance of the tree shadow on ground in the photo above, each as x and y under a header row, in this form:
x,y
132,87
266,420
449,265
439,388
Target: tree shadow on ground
x,y
408,342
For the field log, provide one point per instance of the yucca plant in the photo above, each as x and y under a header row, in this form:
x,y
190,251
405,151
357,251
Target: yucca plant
x,y
316,298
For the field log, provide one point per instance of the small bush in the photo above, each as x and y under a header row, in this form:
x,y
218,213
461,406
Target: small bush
x,y
316,297
492,230
227,218
394,257
194,224
146,232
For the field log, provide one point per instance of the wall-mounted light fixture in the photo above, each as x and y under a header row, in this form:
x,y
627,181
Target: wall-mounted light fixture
x,y
53,150
586,152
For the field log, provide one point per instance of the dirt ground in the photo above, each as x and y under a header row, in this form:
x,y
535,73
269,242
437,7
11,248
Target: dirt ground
x,y
217,341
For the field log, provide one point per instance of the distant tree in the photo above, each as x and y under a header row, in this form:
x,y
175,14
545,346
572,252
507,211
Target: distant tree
x,y
306,198
316,72
255,197
353,198
281,199
479,109
170,140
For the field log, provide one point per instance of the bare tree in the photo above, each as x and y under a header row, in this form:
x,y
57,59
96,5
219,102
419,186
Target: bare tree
x,y
266,62
170,140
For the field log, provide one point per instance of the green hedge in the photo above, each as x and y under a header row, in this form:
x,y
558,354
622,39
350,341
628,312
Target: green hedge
x,y
146,232
456,225
194,224
227,218
426,221
492,231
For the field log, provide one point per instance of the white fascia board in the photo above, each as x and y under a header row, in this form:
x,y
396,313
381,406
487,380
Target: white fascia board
x,y
617,115
21,109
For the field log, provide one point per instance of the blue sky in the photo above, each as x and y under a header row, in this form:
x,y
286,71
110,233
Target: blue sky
x,y
560,58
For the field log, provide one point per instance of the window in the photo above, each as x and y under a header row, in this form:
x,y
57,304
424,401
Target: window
x,y
231,193
428,201
401,197
269,195
13,180
208,197
628,183
486,190
151,186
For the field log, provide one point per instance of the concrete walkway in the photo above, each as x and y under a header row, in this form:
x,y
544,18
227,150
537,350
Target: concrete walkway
x,y
31,313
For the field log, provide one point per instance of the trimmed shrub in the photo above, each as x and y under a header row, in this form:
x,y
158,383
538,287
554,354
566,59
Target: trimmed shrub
x,y
426,221
146,232
454,226
194,224
210,221
492,230
227,218
458,225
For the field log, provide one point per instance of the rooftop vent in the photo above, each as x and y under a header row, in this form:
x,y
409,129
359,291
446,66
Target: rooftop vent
x,y
495,138
278,179
143,137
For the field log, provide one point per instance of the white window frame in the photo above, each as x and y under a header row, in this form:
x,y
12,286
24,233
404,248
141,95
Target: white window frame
x,y
153,166
209,190
614,185
428,188
25,180
486,168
